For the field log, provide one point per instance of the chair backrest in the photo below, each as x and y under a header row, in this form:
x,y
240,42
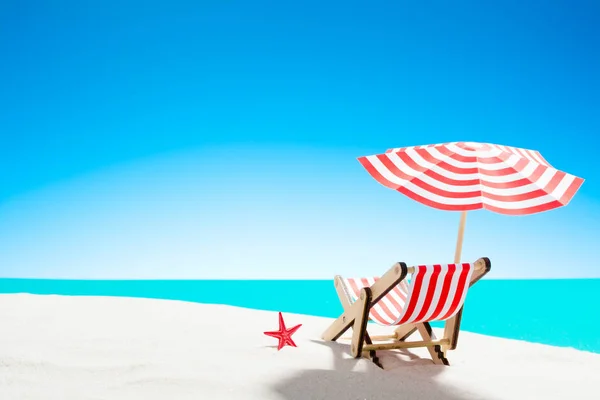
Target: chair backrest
x,y
434,293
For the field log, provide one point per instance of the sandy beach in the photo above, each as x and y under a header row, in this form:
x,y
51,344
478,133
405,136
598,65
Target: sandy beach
x,y
76,348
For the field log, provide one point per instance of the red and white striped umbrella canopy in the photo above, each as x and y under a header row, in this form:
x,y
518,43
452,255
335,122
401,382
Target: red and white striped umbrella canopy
x,y
464,176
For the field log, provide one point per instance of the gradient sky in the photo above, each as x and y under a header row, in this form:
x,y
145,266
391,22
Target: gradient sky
x,y
219,139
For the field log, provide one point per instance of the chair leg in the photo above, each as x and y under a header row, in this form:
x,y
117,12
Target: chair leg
x,y
361,317
452,329
339,326
355,316
436,352
371,354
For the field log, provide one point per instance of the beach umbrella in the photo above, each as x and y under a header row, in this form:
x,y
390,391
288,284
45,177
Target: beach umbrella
x,y
465,176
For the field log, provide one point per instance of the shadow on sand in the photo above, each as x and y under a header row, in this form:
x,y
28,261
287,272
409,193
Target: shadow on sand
x,y
406,376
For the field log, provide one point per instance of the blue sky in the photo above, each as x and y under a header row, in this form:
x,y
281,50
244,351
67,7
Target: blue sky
x,y
219,139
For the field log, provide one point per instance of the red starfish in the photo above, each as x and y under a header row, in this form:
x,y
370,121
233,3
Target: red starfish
x,y
284,335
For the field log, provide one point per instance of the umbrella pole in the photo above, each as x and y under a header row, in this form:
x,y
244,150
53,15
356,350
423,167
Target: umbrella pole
x,y
452,325
459,239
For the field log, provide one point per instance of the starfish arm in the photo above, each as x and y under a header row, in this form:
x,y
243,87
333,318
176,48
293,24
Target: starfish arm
x,y
275,334
281,343
293,330
281,322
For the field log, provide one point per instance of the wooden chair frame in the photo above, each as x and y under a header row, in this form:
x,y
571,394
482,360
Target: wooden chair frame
x,y
356,315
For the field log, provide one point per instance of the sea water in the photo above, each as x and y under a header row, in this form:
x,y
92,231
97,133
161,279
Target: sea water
x,y
555,312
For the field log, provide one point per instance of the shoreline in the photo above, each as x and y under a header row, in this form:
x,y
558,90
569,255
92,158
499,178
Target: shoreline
x,y
268,309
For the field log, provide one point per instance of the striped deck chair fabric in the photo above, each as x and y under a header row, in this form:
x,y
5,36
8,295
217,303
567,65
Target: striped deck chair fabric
x,y
434,293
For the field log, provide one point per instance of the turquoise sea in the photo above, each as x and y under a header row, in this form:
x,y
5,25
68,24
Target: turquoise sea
x,y
555,312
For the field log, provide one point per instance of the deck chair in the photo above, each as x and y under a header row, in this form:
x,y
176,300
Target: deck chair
x,y
433,293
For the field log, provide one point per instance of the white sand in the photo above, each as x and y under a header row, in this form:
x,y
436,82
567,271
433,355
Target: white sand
x,y
79,348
